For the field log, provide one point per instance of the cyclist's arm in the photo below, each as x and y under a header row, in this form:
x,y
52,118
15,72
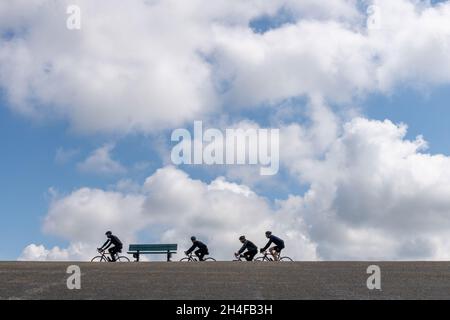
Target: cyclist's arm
x,y
242,249
267,245
191,248
106,245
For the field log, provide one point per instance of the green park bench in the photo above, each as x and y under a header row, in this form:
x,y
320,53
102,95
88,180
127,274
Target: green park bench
x,y
137,249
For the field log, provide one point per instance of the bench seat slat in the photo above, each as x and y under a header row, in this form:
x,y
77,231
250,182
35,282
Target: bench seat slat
x,y
151,252
152,247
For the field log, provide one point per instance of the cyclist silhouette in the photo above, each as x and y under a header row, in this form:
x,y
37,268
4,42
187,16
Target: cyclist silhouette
x,y
251,248
114,242
275,250
202,248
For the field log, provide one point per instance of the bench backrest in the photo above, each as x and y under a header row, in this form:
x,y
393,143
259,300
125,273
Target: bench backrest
x,y
153,247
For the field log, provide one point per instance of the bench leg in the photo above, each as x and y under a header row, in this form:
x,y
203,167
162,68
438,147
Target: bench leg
x,y
168,256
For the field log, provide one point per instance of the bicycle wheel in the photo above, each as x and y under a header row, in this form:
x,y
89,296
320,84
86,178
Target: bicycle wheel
x,y
99,259
286,259
185,260
260,259
210,259
123,259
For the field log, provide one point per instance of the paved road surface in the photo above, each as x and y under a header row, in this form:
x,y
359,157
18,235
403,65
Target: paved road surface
x,y
225,280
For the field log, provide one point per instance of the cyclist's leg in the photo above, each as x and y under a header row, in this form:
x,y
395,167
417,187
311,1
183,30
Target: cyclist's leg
x,y
246,255
200,254
251,254
274,252
203,253
112,252
278,252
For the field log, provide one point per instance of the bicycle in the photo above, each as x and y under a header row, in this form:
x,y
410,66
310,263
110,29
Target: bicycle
x,y
268,257
104,257
191,258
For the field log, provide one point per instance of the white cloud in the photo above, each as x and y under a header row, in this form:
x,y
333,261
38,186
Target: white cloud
x,y
171,208
130,67
337,60
308,58
64,155
221,184
416,63
151,65
86,214
375,194
100,162
40,253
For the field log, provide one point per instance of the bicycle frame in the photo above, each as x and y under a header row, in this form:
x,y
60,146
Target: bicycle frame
x,y
191,257
238,257
268,256
108,256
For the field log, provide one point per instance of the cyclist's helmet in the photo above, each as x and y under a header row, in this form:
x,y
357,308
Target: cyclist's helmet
x,y
193,238
268,233
242,238
108,233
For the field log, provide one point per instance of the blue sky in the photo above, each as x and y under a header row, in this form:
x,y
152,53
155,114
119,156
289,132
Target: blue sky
x,y
29,168
102,102
425,114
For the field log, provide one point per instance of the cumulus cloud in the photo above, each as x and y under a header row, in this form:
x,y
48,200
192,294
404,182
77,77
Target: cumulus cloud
x,y
371,192
146,65
221,184
171,208
35,252
334,59
100,162
375,195
418,63
130,67
304,59
88,213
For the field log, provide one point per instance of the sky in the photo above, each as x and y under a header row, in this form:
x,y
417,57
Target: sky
x,y
359,96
